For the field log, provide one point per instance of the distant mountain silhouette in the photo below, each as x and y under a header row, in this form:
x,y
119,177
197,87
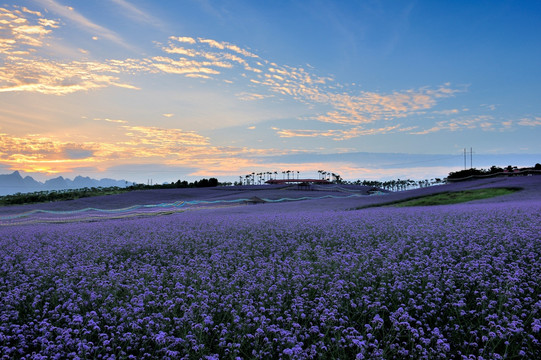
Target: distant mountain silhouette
x,y
14,183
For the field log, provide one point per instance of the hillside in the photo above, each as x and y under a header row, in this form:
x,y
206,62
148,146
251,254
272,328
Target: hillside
x,y
229,200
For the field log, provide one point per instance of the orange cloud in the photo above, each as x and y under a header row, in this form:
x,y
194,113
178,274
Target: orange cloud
x,y
225,45
39,75
338,134
56,78
206,59
21,30
185,39
251,96
184,66
163,138
26,10
130,145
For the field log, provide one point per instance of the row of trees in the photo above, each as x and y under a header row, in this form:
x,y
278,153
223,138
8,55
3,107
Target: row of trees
x,y
58,195
397,185
71,194
492,171
329,176
400,185
212,182
260,177
253,178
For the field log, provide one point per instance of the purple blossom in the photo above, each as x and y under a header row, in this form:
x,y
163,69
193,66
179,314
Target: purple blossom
x,y
455,281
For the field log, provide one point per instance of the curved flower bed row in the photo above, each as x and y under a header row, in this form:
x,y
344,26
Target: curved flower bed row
x,y
443,282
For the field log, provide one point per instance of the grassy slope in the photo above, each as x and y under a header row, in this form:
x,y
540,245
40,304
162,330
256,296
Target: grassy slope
x,y
447,198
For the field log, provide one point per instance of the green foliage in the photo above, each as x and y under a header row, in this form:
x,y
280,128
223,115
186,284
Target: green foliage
x,y
58,195
447,198
492,171
72,194
212,182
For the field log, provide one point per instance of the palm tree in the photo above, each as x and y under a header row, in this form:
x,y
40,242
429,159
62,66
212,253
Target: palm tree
x,y
410,183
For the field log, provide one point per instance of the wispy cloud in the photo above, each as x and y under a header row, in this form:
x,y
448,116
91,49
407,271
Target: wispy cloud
x,y
246,96
163,138
57,78
24,71
199,55
485,122
359,113
118,121
222,45
446,112
207,52
84,23
23,31
137,14
184,66
340,134
490,107
207,58
131,144
185,39
39,153
535,121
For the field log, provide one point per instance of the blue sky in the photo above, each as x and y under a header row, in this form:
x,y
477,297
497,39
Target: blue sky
x,y
140,89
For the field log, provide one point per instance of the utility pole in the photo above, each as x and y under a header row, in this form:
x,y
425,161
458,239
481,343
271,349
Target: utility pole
x,y
464,158
471,158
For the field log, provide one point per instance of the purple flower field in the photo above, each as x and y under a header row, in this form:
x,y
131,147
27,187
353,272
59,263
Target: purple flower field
x,y
456,281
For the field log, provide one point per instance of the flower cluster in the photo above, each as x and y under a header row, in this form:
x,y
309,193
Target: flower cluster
x,y
444,282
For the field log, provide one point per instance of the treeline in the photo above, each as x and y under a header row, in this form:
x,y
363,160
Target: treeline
x,y
492,171
72,194
396,185
406,184
212,182
58,195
